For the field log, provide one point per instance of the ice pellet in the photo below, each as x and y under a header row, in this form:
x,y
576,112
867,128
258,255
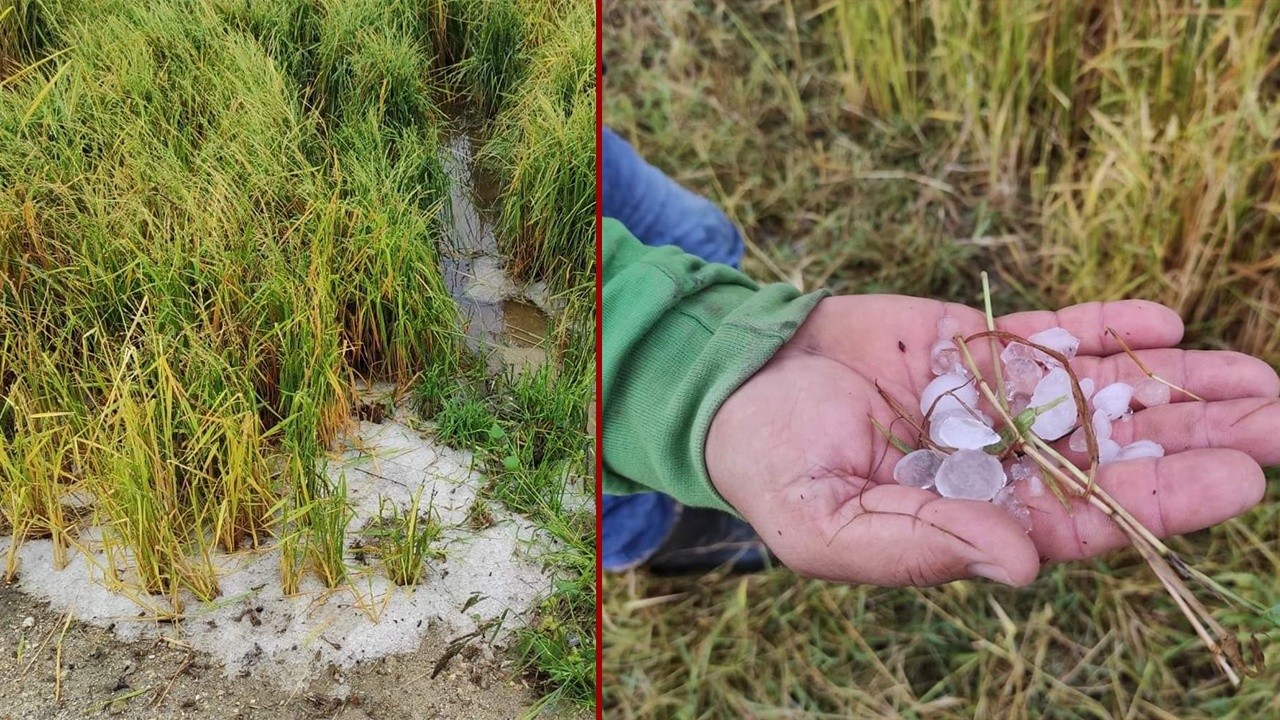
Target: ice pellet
x,y
1108,450
1015,351
966,432
944,357
964,393
1101,425
1140,449
1101,430
1114,400
1022,469
1058,420
1006,499
1018,403
1086,387
916,469
1021,375
1035,486
1078,442
970,475
1151,392
1056,339
947,327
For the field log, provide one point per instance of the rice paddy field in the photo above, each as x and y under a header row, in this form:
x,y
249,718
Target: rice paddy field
x,y
1077,151
223,221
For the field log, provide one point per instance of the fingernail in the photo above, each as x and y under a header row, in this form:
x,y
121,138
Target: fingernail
x,y
991,572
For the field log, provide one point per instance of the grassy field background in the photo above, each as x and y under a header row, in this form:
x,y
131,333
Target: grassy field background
x,y
1080,151
218,217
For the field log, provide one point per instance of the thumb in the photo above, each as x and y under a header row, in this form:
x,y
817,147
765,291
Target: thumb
x,y
893,535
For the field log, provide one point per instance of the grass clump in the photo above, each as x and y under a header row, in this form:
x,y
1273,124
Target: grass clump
x,y
495,59
407,538
544,148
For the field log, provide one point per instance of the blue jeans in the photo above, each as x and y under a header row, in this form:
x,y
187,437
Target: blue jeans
x,y
658,211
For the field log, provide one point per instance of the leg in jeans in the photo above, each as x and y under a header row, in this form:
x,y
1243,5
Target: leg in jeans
x,y
658,211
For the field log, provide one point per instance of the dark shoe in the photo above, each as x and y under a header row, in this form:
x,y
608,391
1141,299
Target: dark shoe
x,y
704,540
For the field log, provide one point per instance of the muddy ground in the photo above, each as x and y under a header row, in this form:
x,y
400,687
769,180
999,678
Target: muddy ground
x,y
105,677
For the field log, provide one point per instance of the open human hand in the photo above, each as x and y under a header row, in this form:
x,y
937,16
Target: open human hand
x,y
795,452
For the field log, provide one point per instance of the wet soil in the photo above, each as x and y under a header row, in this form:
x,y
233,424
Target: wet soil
x,y
101,676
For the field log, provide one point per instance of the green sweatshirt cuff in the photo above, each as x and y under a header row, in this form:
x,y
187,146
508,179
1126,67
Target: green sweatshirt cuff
x,y
680,336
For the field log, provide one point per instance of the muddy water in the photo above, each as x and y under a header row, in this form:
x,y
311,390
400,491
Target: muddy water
x,y
499,319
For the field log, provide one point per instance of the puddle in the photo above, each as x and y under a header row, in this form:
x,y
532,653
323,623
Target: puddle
x,y
501,319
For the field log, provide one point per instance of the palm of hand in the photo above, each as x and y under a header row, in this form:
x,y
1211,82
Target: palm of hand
x,y
795,451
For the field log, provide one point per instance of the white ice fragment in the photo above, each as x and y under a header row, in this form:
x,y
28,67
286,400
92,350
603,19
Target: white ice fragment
x,y
1056,339
1140,449
965,432
1015,351
1058,420
963,393
1078,441
1150,393
1101,430
1006,499
970,475
947,327
1022,469
1101,425
1018,403
944,357
939,420
1114,400
1021,376
1108,450
917,468
1035,486
1086,387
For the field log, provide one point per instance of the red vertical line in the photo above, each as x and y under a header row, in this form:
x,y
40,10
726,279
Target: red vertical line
x,y
599,360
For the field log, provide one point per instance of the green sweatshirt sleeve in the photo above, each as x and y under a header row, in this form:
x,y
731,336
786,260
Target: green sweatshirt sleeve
x,y
680,335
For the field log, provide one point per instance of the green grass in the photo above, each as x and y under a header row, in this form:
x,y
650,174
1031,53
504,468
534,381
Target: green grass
x,y
544,143
1080,151
218,216
528,435
406,539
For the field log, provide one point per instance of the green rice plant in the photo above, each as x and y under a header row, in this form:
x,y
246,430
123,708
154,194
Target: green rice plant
x,y
495,57
398,314
288,31
544,148
327,518
407,539
23,34
35,472
372,55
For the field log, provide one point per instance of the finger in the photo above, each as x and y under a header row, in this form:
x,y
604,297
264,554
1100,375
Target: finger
x,y
1213,375
894,535
1250,426
1141,323
1172,495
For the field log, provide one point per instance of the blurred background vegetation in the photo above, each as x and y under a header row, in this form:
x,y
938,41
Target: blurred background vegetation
x,y
1078,150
